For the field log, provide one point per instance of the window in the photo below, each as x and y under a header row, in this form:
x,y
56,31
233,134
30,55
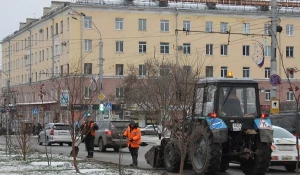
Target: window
x,y
164,26
267,72
267,95
88,22
289,30
209,26
142,47
47,53
68,24
119,46
164,70
186,48
187,25
119,69
246,72
142,24
119,23
87,45
223,71
290,96
35,41
290,73
209,49
267,28
142,70
164,48
87,92
119,92
88,68
224,49
56,28
62,49
246,50
209,71
61,26
223,27
52,32
46,34
289,51
40,56
267,50
246,28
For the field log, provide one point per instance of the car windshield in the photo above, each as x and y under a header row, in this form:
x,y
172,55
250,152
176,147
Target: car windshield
x,y
282,133
61,127
237,102
119,124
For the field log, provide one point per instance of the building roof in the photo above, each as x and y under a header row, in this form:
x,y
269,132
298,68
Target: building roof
x,y
227,80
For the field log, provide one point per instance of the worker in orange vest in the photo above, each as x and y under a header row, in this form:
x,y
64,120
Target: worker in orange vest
x,y
133,134
88,129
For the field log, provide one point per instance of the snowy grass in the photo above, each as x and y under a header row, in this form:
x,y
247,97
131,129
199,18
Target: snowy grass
x,y
36,164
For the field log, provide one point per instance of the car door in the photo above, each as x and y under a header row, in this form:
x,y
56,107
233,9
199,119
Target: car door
x,y
117,129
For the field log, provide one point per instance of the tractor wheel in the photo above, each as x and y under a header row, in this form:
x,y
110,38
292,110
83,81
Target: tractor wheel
x,y
205,155
260,164
171,158
224,165
290,167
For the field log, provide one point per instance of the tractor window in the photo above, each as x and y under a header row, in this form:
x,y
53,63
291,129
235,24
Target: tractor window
x,y
208,100
237,102
199,101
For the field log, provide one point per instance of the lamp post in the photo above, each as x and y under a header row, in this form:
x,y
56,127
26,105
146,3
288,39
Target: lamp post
x,y
100,59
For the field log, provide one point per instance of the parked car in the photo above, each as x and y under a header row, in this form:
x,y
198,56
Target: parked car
x,y
149,130
284,149
55,133
110,134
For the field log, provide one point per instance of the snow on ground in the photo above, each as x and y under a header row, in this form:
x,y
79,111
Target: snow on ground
x,y
37,164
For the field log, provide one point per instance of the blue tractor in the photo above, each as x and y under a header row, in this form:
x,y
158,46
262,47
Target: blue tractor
x,y
230,129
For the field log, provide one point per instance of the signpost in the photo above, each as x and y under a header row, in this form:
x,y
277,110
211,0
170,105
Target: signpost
x,y
275,106
101,96
64,98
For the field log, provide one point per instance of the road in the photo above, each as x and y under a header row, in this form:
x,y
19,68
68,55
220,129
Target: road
x,y
113,157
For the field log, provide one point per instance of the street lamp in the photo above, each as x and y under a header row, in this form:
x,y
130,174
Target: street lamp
x,y
100,57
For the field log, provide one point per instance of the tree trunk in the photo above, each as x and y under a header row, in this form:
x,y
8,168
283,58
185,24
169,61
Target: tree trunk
x,y
74,157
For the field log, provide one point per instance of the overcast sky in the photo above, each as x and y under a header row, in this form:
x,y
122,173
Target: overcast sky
x,y
12,12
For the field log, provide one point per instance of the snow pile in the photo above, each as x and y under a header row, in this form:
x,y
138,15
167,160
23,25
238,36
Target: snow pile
x,y
37,164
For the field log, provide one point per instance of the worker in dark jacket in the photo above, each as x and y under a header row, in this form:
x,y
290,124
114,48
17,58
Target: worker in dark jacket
x,y
88,129
133,134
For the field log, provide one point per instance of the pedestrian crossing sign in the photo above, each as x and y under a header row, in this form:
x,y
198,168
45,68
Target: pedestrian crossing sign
x,y
275,104
264,124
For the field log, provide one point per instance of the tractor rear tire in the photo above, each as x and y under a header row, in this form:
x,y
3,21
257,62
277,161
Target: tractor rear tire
x,y
171,158
260,164
205,155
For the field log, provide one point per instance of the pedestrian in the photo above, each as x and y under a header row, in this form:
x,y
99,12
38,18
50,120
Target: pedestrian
x,y
159,131
133,134
88,129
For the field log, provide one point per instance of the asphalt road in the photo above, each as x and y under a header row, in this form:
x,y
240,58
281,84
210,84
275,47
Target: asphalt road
x,y
113,157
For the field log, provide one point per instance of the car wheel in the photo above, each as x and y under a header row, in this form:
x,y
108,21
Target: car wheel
x,y
61,144
70,144
48,142
101,145
116,149
290,167
39,141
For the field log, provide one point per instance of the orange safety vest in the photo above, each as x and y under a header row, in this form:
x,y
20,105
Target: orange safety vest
x,y
135,134
92,131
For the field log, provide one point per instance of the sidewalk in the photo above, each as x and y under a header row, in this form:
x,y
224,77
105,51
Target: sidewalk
x,y
151,139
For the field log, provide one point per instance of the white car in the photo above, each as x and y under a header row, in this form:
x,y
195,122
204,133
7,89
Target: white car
x,y
55,133
284,149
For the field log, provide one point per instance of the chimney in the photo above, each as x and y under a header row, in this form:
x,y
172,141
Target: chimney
x,y
46,10
22,24
29,20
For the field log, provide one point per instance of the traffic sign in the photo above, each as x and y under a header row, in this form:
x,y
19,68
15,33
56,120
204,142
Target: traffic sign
x,y
264,124
35,111
101,96
275,106
108,106
275,80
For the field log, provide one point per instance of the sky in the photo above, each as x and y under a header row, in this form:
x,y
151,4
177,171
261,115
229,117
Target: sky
x,y
12,12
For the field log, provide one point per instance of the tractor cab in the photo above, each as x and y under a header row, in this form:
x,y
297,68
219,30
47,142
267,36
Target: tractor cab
x,y
234,100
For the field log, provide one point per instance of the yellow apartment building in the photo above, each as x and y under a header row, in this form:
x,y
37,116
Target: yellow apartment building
x,y
66,39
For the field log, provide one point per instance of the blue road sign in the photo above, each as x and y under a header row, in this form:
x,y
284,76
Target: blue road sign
x,y
108,106
35,111
275,80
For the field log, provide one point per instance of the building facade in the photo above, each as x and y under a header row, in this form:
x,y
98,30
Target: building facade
x,y
66,40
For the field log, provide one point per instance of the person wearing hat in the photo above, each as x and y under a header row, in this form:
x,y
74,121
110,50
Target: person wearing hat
x,y
88,129
133,134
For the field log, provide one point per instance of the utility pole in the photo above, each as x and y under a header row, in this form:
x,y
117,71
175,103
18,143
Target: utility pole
x,y
273,63
176,33
8,128
100,72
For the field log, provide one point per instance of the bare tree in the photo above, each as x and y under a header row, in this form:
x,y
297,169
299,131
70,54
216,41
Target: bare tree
x,y
74,89
167,94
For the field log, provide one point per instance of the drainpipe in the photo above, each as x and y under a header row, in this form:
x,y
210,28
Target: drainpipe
x,y
52,35
30,57
176,34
